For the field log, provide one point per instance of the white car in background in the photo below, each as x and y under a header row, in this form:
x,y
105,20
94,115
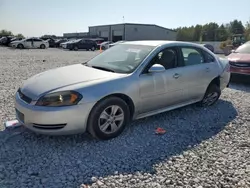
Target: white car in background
x,y
30,43
64,45
104,45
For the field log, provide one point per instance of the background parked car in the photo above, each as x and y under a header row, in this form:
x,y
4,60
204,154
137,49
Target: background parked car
x,y
15,39
104,45
51,41
118,42
82,44
98,40
30,43
60,41
64,44
239,60
6,40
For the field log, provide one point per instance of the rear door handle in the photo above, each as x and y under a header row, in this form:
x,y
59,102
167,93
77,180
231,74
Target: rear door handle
x,y
176,75
207,69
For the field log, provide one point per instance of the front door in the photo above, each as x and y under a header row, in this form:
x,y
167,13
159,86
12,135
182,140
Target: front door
x,y
27,43
161,89
82,44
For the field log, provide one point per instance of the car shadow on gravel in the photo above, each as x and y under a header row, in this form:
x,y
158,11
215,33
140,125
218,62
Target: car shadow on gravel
x,y
68,161
240,82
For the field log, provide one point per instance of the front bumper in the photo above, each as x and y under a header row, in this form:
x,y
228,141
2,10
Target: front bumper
x,y
53,120
240,70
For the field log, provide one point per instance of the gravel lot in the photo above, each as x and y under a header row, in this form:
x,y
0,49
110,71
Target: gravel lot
x,y
201,148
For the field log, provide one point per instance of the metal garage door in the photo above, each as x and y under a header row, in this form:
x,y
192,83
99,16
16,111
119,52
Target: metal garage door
x,y
117,33
104,34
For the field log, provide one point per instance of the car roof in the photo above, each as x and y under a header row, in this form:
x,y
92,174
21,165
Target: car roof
x,y
159,43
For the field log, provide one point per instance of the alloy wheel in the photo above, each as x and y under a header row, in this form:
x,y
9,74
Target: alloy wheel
x,y
111,119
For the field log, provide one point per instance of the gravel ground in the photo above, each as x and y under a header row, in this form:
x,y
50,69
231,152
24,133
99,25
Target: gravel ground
x,y
201,148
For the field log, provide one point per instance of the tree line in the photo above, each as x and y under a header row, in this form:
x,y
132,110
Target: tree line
x,y
213,31
9,33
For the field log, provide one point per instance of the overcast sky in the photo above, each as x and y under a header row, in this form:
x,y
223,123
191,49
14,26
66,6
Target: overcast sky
x,y
39,17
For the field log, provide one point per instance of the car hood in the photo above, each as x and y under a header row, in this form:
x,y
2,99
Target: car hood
x,y
237,57
58,78
16,41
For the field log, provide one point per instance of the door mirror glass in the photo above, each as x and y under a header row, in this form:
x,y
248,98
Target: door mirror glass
x,y
156,68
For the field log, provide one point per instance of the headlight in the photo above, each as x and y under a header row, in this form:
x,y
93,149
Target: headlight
x,y
57,99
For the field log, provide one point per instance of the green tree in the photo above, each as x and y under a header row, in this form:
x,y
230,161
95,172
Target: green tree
x,y
222,33
247,30
197,32
236,27
19,35
210,31
5,32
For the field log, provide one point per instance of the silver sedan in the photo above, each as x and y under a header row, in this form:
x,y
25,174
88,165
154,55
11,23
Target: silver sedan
x,y
129,81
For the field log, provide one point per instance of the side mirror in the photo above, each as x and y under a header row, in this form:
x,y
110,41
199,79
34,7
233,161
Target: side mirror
x,y
232,51
156,68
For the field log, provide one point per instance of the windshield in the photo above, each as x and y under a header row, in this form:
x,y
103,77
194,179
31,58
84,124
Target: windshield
x,y
124,58
244,49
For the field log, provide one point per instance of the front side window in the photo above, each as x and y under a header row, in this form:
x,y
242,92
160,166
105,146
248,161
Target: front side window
x,y
192,56
167,58
124,58
37,40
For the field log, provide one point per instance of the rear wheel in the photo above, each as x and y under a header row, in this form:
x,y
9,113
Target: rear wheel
x,y
93,48
42,46
75,48
211,96
108,118
20,46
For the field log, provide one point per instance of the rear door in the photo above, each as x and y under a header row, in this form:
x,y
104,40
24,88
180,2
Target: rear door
x,y
198,69
37,43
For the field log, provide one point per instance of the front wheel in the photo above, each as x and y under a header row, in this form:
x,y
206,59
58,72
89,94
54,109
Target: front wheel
x,y
76,48
93,48
42,46
108,118
20,46
211,96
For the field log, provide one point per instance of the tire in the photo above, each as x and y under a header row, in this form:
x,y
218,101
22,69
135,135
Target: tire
x,y
95,121
42,46
75,48
93,48
20,46
211,96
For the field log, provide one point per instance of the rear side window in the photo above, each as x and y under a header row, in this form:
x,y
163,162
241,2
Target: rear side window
x,y
192,56
208,58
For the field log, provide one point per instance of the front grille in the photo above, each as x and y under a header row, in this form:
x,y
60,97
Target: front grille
x,y
240,64
24,97
49,127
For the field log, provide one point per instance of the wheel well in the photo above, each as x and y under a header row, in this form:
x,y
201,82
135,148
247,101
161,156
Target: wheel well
x,y
127,99
215,81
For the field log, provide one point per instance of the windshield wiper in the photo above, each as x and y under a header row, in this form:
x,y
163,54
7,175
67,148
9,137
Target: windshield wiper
x,y
102,68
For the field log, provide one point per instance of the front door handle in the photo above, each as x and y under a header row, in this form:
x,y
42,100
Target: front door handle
x,y
176,75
